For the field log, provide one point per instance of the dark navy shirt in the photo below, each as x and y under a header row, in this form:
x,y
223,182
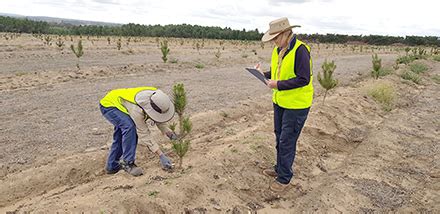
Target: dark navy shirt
x,y
302,68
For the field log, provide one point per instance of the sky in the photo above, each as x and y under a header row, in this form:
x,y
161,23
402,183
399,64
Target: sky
x,y
354,17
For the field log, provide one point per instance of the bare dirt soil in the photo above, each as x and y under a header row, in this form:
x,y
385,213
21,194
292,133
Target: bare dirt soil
x,y
352,156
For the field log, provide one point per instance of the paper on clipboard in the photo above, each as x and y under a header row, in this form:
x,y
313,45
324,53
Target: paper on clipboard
x,y
257,74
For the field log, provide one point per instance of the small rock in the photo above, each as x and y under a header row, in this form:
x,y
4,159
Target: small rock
x,y
216,207
216,176
21,162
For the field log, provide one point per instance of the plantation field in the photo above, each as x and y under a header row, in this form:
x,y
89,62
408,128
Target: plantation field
x,y
361,151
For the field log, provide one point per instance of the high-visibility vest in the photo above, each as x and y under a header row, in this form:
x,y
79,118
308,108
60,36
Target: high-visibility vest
x,y
114,97
298,98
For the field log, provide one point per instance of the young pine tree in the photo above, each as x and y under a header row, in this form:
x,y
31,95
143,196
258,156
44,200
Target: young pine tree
x,y
60,43
327,81
181,145
165,50
218,54
119,44
377,66
77,51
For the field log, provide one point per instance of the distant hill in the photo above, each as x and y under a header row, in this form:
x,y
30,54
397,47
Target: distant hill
x,y
11,15
61,21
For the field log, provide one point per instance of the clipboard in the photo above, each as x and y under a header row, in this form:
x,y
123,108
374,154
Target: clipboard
x,y
257,74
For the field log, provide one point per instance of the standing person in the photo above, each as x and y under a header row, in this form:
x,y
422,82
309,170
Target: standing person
x,y
290,78
129,110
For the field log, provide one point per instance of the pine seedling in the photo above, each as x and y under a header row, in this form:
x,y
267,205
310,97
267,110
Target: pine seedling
x,y
218,54
165,50
60,43
78,51
118,44
47,40
181,145
377,65
198,47
327,81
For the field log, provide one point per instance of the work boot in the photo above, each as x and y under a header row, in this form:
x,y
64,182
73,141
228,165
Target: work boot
x,y
276,186
131,168
270,172
112,171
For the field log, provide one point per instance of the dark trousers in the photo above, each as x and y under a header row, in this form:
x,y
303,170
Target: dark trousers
x,y
124,137
288,126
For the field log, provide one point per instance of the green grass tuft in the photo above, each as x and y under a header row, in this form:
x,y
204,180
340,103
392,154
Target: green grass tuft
x,y
384,94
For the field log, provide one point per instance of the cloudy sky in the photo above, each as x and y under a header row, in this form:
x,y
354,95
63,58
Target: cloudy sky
x,y
383,17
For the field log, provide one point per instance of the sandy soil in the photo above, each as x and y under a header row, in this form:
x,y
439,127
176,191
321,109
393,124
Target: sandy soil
x,y
352,155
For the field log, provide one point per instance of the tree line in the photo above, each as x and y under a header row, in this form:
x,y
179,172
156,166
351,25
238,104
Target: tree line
x,y
18,25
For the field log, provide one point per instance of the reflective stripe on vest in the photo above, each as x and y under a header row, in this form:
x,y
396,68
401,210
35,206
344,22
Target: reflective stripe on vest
x,y
113,98
298,98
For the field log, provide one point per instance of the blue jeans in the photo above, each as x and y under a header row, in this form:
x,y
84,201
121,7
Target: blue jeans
x,y
288,126
124,137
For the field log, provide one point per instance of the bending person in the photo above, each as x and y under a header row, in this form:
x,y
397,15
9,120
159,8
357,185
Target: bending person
x,y
130,110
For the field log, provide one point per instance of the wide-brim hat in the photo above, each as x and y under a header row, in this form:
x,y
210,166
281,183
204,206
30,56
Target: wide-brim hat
x,y
276,27
160,108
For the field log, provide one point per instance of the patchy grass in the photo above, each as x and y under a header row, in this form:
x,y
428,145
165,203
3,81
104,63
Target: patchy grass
x,y
385,71
19,74
409,75
200,66
436,58
405,59
153,193
418,68
384,94
224,114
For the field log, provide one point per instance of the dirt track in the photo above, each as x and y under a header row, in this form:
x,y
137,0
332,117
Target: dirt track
x,y
352,156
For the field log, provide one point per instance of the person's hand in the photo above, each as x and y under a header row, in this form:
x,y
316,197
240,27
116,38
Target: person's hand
x,y
272,84
165,162
258,66
172,135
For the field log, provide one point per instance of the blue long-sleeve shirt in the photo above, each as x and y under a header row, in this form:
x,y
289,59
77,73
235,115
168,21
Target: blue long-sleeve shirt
x,y
302,68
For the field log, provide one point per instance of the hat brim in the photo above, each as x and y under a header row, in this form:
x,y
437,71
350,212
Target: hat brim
x,y
159,117
267,37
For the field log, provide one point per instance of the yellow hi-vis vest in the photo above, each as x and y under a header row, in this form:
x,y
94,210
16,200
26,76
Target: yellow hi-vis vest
x,y
298,98
113,98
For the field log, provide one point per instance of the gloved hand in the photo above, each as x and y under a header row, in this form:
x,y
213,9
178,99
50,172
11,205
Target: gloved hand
x,y
172,135
165,162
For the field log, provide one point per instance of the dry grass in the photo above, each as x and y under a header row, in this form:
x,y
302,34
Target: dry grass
x,y
418,68
384,94
409,75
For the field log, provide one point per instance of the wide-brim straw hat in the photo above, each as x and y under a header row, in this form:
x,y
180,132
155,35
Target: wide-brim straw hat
x,y
276,27
159,108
